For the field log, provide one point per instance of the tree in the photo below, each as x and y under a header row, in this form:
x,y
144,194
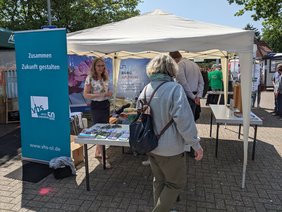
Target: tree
x,y
251,27
272,35
271,13
265,9
71,14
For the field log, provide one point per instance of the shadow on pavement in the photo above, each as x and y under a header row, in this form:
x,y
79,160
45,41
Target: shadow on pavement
x,y
10,146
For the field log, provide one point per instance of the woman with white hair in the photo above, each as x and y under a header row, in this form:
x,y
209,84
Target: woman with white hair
x,y
168,159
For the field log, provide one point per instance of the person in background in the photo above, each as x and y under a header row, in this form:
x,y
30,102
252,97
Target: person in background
x,y
96,89
275,82
216,82
204,73
256,92
167,160
278,93
190,77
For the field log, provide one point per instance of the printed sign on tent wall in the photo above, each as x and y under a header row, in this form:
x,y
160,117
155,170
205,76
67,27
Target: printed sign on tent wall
x,y
132,78
42,73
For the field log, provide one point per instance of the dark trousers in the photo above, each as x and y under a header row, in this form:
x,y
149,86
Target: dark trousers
x,y
275,104
100,111
192,105
279,104
256,96
169,179
196,109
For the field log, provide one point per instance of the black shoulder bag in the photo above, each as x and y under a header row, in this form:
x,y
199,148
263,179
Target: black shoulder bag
x,y
142,138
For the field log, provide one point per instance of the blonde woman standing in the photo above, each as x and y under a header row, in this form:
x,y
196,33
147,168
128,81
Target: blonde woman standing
x,y
168,159
96,89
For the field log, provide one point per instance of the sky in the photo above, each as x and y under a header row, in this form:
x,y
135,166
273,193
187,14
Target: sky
x,y
210,11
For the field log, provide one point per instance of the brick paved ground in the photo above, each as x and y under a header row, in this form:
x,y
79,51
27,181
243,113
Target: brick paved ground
x,y
214,184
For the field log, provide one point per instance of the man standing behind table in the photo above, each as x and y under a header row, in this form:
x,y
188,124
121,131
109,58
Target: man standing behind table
x,y
191,79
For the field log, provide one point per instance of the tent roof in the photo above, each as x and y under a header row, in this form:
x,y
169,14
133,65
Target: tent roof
x,y
160,32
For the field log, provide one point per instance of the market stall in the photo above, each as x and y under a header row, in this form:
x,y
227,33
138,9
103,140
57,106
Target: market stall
x,y
146,35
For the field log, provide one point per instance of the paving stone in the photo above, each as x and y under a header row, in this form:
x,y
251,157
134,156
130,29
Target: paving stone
x,y
234,202
6,199
220,204
248,202
132,208
270,206
6,206
230,208
51,205
68,207
5,193
85,206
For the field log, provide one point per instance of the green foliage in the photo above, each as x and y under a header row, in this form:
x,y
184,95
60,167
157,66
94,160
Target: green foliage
x,y
271,13
265,9
71,14
272,35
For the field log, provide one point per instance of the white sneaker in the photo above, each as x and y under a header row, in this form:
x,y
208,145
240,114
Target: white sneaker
x,y
146,162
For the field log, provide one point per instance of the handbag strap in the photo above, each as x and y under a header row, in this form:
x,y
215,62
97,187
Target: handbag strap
x,y
152,93
171,120
165,128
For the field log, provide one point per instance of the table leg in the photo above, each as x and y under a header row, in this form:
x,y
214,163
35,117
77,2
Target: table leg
x,y
86,167
211,126
216,144
219,98
254,142
104,156
239,131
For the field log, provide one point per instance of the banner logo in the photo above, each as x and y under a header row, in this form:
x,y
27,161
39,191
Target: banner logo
x,y
11,39
40,108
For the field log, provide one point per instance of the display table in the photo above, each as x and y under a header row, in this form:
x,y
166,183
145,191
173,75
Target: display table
x,y
223,115
103,134
220,95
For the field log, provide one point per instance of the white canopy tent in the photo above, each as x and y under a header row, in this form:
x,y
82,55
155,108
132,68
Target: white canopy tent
x,y
146,35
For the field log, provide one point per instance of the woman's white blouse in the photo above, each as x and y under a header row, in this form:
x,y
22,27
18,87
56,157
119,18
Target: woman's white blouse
x,y
97,87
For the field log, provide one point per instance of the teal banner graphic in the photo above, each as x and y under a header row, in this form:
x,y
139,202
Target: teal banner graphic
x,y
42,73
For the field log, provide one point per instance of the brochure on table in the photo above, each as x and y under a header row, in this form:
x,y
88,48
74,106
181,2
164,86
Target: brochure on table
x,y
116,132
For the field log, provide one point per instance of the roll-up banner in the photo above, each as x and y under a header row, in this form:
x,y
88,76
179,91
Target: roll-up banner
x,y
42,73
